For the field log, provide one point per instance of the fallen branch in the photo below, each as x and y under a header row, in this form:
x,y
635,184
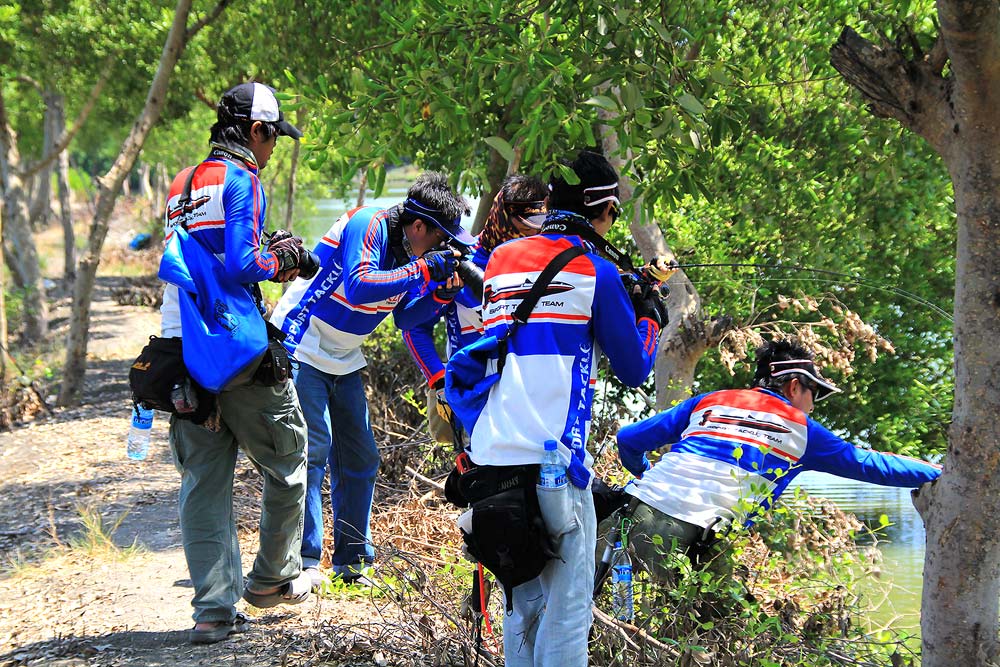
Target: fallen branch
x,y
426,480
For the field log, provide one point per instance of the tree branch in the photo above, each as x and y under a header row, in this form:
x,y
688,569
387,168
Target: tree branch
x,y
205,20
911,92
81,118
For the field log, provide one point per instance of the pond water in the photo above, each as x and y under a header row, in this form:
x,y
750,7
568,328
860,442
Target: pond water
x,y
897,590
326,212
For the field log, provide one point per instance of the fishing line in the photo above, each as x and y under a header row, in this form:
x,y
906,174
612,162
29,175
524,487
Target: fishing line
x,y
854,280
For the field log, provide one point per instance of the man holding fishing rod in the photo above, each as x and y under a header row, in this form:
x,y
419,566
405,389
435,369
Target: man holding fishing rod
x,y
551,305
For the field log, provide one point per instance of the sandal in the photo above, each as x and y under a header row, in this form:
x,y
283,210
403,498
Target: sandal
x,y
221,631
295,591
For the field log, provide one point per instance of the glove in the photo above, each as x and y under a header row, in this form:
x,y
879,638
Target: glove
x,y
660,268
440,264
287,248
444,293
647,302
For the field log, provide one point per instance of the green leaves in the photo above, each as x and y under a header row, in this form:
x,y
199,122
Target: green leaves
x,y
501,146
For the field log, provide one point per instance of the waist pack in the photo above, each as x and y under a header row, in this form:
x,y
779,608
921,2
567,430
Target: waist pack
x,y
155,373
508,534
276,366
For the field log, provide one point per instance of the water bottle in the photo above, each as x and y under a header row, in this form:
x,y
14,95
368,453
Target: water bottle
x,y
623,601
138,435
552,473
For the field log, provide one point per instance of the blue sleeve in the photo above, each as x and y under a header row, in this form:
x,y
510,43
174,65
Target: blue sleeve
x,y
419,305
244,203
420,342
364,243
629,345
826,452
654,432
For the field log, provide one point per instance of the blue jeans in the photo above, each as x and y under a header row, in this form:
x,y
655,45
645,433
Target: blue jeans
x,y
552,613
340,436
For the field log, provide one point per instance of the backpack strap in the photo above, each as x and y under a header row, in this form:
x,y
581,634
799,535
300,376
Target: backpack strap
x,y
523,310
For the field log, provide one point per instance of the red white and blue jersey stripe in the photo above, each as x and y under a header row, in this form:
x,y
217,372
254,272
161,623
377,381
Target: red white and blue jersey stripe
x,y
546,389
328,316
463,326
734,452
226,215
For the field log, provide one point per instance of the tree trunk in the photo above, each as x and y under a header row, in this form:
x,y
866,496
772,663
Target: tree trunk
x,y
53,126
496,171
4,343
685,338
956,114
65,205
18,236
362,188
109,187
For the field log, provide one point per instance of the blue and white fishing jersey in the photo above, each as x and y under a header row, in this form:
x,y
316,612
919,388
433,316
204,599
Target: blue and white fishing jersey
x,y
463,325
735,451
546,389
226,215
328,316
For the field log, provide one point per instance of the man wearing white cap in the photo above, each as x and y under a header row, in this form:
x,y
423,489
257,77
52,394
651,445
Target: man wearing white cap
x,y
740,448
221,204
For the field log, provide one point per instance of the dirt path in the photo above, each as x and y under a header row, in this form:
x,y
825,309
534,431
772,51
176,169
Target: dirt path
x,y
65,604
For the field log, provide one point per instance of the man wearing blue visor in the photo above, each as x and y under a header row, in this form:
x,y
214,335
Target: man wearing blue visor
x,y
373,262
733,452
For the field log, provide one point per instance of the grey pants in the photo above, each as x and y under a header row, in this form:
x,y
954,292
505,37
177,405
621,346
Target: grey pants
x,y
652,535
268,424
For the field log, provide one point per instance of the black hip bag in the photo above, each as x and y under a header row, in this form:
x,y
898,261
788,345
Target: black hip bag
x,y
508,534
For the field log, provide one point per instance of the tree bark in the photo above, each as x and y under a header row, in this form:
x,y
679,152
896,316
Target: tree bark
x,y
18,234
109,187
4,343
41,206
65,206
957,116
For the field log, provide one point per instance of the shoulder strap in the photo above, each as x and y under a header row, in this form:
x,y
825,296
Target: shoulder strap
x,y
523,310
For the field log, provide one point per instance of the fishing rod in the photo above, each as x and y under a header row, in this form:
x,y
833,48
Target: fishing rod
x,y
855,280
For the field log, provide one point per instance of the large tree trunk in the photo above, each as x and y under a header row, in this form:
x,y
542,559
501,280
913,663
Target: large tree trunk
x,y
18,240
109,187
957,115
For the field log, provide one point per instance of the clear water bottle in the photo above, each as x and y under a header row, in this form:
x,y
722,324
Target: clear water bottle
x,y
552,473
138,435
622,592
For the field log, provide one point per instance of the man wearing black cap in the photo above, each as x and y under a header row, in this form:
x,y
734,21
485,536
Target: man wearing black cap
x,y
736,449
221,204
373,262
544,392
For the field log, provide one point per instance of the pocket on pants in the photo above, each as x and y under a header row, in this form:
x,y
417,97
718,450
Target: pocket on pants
x,y
558,511
288,430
